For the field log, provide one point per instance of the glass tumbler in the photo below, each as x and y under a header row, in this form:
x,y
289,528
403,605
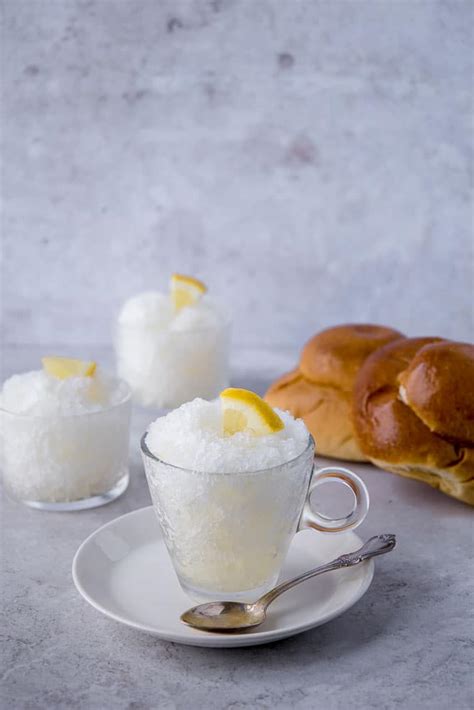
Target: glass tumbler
x,y
228,533
166,368
66,462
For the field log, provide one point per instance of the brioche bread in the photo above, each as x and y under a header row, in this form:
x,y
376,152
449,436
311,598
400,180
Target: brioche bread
x,y
320,389
413,412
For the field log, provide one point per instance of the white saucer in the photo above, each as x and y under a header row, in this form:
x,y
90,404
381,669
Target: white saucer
x,y
124,571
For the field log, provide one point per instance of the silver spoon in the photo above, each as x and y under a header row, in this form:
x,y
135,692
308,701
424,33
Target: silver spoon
x,y
237,616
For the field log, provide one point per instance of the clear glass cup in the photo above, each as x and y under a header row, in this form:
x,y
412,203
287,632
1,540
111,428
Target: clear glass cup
x,y
66,462
166,368
228,533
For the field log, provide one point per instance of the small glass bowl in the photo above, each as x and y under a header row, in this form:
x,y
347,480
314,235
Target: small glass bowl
x,y
66,462
169,367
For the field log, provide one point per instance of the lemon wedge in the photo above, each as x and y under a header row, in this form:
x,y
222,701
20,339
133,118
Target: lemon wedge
x,y
185,290
243,410
63,367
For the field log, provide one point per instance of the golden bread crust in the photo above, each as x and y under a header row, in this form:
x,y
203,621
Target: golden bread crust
x,y
326,413
438,385
408,439
459,485
334,356
320,389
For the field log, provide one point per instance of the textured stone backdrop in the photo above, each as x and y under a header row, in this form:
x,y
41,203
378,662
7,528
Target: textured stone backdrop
x,y
310,160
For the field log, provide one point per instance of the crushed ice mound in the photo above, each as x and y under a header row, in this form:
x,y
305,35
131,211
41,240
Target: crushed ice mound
x,y
191,437
170,357
39,394
150,308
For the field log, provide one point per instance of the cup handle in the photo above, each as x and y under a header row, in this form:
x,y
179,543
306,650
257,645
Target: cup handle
x,y
312,519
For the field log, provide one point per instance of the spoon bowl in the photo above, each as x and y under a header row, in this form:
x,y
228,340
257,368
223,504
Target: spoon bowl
x,y
227,617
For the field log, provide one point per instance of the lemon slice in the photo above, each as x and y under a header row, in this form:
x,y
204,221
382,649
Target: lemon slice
x,y
243,410
185,290
63,367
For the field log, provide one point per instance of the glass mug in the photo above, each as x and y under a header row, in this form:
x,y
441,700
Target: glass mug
x,y
228,533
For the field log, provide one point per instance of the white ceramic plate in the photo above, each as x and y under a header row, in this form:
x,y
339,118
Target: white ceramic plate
x,y
124,571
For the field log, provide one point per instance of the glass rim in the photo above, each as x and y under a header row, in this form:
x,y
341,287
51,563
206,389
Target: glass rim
x,y
146,452
60,415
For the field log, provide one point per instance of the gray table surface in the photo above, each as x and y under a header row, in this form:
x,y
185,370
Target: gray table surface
x,y
406,644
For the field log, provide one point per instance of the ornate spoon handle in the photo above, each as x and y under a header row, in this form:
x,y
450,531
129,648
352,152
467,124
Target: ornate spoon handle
x,y
378,545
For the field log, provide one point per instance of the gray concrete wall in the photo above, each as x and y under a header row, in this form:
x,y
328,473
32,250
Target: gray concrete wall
x,y
310,160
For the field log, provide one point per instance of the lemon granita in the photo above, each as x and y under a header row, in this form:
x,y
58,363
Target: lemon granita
x,y
228,480
65,433
173,347
193,437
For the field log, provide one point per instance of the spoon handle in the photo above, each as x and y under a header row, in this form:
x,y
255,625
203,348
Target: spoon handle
x,y
378,545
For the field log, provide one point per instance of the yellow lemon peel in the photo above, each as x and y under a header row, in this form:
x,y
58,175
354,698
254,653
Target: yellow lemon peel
x,y
243,410
63,367
185,291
